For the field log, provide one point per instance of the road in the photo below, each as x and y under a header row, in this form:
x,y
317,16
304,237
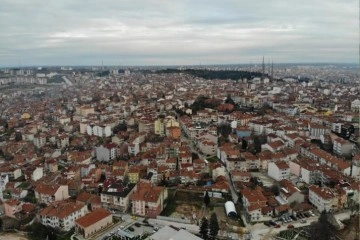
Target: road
x,y
68,82
260,231
189,227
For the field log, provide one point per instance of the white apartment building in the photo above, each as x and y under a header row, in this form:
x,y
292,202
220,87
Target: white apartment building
x,y
106,152
278,170
322,198
62,215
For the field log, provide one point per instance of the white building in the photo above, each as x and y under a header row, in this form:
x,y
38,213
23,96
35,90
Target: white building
x,y
322,198
278,170
62,215
106,152
100,131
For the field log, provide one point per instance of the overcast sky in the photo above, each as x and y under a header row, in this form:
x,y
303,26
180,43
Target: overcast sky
x,y
172,32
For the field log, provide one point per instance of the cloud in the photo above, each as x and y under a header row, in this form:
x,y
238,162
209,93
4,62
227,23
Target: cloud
x,y
66,32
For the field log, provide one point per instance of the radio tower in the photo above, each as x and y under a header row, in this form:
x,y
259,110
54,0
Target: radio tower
x,y
272,70
263,69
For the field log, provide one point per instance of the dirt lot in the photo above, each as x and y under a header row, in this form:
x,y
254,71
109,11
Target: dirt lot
x,y
12,236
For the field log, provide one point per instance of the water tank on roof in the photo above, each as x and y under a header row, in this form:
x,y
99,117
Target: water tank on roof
x,y
230,209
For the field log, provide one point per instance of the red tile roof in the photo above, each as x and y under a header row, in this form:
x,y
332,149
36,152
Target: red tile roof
x,y
92,217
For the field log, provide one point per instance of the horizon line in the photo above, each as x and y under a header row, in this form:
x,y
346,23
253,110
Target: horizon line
x,y
177,65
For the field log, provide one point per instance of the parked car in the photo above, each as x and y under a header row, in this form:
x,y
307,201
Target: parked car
x,y
273,223
290,226
277,226
311,213
267,224
131,229
137,224
303,221
307,214
293,217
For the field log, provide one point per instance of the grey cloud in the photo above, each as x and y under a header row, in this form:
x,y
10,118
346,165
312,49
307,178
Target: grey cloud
x,y
78,32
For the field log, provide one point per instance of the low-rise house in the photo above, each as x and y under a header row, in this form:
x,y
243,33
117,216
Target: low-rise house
x,y
273,146
12,207
93,222
218,171
239,176
290,193
46,193
92,201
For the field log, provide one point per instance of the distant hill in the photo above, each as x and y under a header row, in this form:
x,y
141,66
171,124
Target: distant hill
x,y
215,74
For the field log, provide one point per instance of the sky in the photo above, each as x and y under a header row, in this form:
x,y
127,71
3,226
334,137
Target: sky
x,y
177,32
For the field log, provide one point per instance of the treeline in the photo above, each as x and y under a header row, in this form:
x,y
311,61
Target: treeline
x,y
218,74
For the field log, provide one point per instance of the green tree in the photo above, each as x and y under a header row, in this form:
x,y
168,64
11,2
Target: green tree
x,y
214,226
229,100
207,199
204,228
321,230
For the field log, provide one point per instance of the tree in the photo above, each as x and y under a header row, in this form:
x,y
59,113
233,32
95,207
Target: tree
x,y
257,144
207,199
18,136
275,188
214,225
229,100
224,130
322,230
125,180
204,228
244,144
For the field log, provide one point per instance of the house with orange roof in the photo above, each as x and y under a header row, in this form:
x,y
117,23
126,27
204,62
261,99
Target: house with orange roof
x,y
48,193
148,199
91,200
93,222
12,207
290,193
273,146
240,176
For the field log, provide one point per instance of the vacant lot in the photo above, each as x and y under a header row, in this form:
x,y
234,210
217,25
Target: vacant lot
x,y
13,236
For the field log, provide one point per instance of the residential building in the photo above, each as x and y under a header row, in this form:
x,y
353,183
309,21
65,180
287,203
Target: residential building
x,y
106,153
62,215
342,147
117,197
12,207
278,170
93,222
48,193
290,193
323,198
148,199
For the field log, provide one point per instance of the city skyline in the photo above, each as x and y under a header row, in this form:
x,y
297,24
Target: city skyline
x,y
177,33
